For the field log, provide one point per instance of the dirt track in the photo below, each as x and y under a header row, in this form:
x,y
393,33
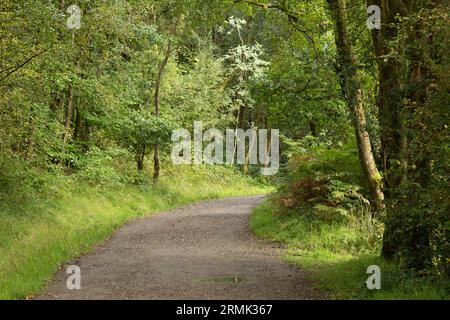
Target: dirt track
x,y
201,251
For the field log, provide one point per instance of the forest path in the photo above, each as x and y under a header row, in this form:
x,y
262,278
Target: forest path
x,y
201,251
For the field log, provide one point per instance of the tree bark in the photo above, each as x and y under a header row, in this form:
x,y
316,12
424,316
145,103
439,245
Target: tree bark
x,y
313,127
403,86
393,140
162,67
354,95
140,159
69,112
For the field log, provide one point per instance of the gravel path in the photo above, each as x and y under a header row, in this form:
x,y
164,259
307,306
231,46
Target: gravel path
x,y
201,251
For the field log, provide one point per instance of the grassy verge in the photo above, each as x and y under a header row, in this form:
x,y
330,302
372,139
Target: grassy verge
x,y
337,257
37,235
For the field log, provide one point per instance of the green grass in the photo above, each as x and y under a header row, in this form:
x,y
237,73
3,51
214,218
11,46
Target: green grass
x,y
337,256
37,236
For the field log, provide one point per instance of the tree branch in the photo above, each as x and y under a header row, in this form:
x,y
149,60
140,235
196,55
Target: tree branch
x,y
37,54
292,17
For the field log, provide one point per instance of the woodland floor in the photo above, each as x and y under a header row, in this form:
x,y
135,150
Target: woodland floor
x,y
200,251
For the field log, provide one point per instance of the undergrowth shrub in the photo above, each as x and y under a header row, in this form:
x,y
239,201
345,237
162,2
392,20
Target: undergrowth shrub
x,y
21,185
326,185
327,180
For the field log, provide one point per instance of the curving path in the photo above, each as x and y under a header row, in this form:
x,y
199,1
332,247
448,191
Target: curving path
x,y
201,251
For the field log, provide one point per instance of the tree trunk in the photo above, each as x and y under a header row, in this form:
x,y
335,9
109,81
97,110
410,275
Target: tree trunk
x,y
31,135
354,96
77,124
140,156
313,128
162,67
393,140
416,162
161,70
156,164
69,112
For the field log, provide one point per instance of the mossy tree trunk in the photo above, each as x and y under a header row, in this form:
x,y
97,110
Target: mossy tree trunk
x,y
353,90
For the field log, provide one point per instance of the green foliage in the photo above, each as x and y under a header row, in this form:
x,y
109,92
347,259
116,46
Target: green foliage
x,y
20,186
71,216
77,106
194,92
417,234
421,231
98,167
144,129
337,256
326,182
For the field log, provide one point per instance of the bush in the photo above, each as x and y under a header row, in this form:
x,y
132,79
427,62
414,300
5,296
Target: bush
x,y
96,167
327,182
418,229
